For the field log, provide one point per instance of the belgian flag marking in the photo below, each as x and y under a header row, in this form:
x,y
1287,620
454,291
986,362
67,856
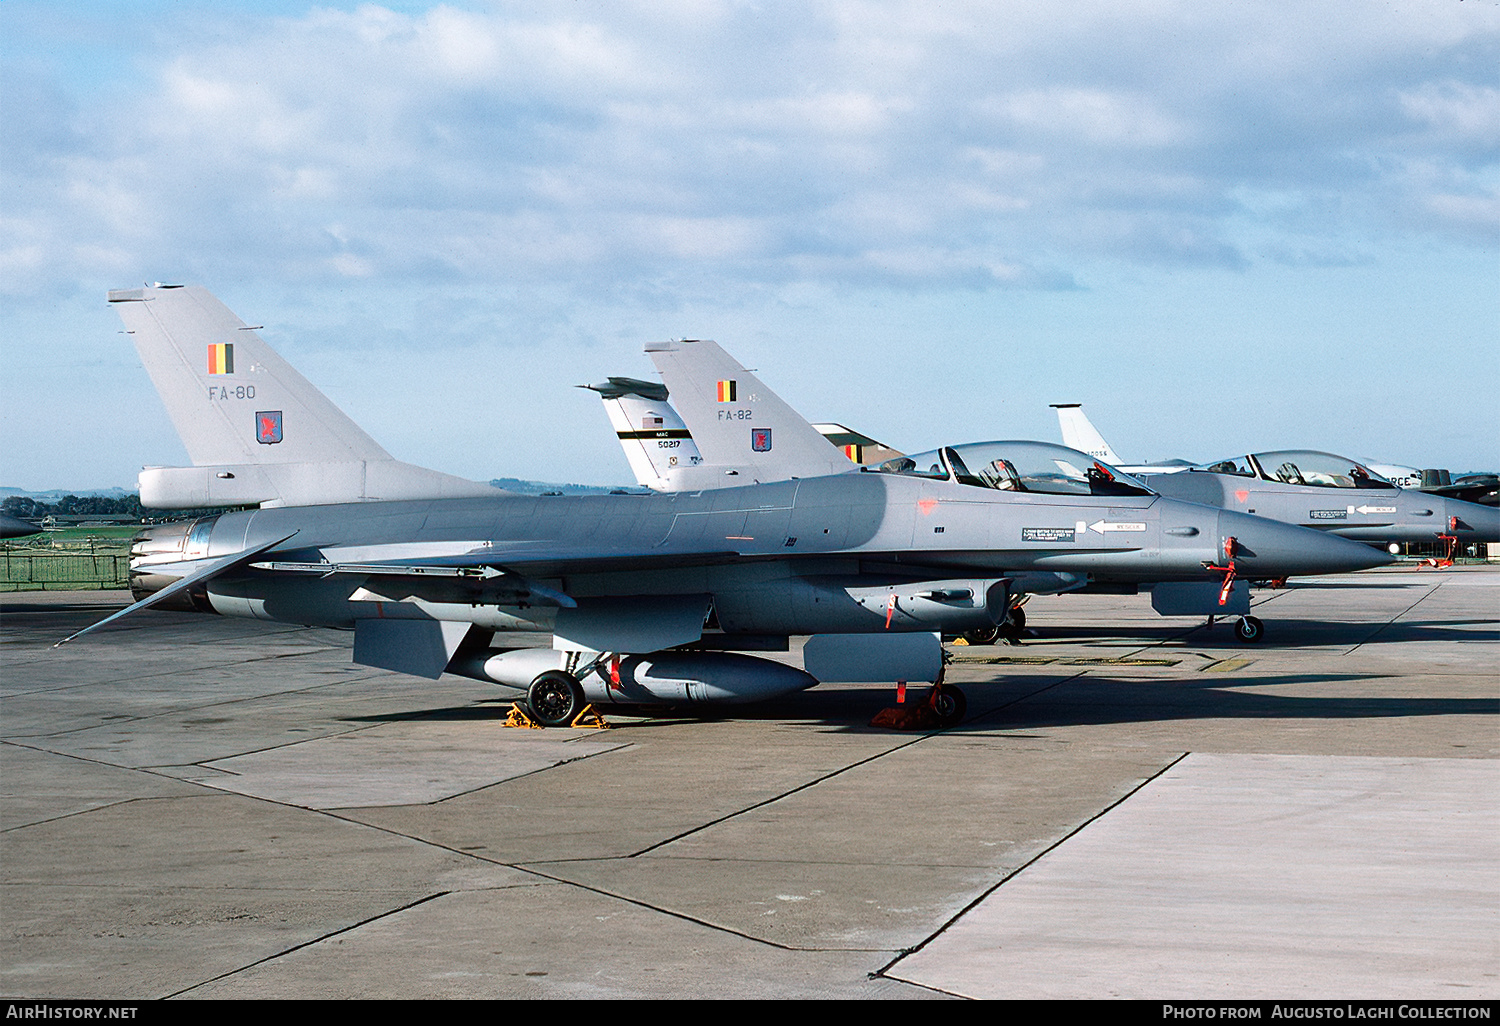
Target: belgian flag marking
x,y
727,392
221,358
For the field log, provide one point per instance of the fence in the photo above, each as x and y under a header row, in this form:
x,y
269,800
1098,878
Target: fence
x,y
41,570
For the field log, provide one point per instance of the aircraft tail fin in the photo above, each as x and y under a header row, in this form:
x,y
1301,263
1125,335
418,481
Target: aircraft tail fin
x,y
741,426
1078,433
860,448
232,398
657,443
255,429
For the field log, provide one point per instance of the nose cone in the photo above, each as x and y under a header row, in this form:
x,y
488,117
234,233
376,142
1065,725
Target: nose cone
x,y
1270,548
1475,523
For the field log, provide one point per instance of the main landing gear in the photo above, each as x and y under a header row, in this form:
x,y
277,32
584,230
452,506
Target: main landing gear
x,y
555,699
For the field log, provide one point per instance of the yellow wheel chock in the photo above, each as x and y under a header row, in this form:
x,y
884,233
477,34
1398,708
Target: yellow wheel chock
x,y
588,718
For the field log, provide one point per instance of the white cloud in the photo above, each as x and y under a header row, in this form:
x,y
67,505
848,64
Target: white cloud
x,y
1463,111
1093,117
610,142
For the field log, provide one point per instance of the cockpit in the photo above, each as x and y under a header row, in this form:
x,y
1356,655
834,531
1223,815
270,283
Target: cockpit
x,y
1300,467
1037,467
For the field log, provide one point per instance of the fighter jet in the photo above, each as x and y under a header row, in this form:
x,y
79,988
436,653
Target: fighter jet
x,y
1324,491
653,598
715,390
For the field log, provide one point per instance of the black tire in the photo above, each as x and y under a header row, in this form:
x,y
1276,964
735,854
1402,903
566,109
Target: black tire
x,y
1249,630
1017,618
950,705
554,698
987,636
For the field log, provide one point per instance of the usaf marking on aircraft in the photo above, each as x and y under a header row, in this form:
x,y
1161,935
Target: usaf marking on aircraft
x,y
624,583
1319,490
716,390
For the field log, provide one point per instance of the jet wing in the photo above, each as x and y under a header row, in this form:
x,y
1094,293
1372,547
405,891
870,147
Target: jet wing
x,y
195,572
527,566
487,564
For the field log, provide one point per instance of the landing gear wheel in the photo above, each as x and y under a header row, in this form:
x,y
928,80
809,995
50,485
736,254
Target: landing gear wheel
x,y
1249,630
555,699
988,636
949,704
1017,618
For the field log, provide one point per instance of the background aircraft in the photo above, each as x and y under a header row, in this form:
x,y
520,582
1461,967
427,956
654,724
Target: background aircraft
x,y
14,527
1315,489
664,456
1079,433
717,399
653,598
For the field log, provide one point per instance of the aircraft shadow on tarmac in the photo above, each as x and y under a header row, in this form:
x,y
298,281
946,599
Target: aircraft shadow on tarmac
x,y
1010,704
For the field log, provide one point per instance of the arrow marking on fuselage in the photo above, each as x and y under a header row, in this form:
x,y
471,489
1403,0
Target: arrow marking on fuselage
x,y
1103,525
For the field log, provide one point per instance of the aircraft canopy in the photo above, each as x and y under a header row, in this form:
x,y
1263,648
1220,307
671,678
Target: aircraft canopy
x,y
1301,467
1018,466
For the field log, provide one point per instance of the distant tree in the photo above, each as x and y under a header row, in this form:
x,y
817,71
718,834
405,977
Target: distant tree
x,y
98,505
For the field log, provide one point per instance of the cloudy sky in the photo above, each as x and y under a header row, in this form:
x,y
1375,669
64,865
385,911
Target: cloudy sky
x,y
1220,226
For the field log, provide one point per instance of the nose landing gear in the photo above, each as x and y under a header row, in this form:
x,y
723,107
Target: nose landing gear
x,y
1249,630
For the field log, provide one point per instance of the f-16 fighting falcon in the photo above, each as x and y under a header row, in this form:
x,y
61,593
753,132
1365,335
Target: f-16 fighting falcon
x,y
1320,490
699,437
650,599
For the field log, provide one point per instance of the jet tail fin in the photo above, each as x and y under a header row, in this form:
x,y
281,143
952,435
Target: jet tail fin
x,y
1078,433
859,448
232,398
255,429
742,428
657,443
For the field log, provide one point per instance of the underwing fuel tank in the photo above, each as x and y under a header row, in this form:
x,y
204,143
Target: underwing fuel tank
x,y
657,678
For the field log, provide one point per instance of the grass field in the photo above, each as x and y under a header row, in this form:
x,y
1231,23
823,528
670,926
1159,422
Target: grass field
x,y
70,536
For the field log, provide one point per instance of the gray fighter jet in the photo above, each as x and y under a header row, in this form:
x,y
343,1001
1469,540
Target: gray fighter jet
x,y
1319,490
652,599
714,391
